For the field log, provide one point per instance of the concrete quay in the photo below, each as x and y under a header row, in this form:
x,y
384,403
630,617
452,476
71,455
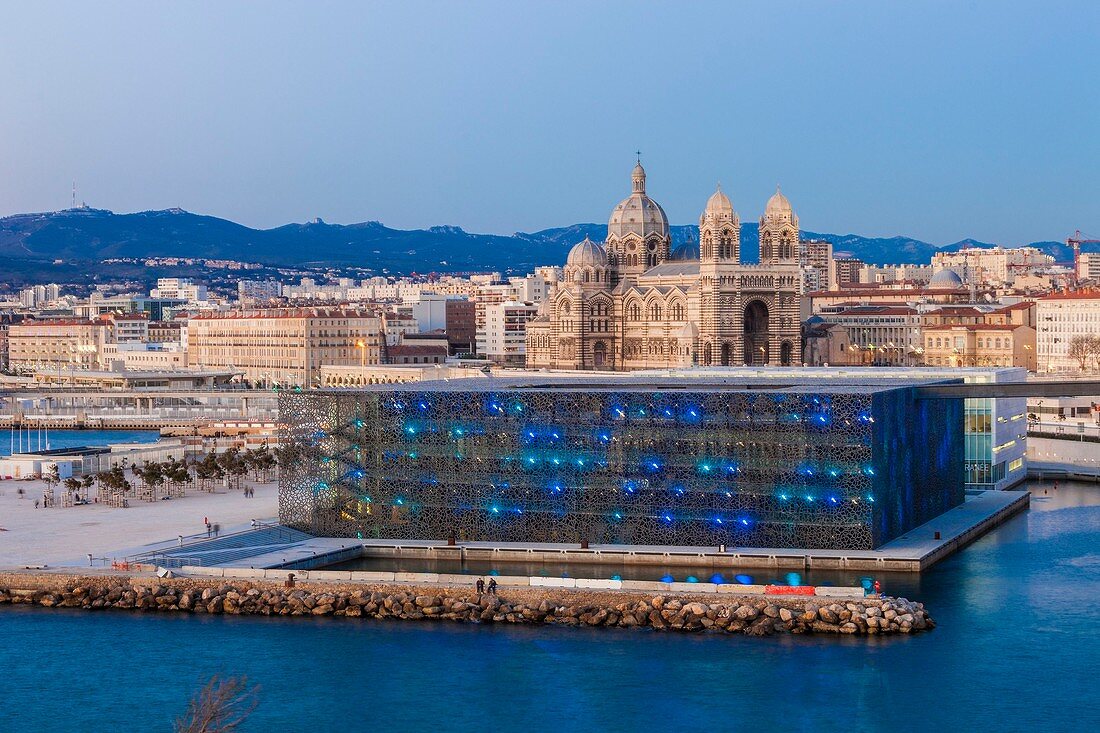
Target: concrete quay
x,y
917,550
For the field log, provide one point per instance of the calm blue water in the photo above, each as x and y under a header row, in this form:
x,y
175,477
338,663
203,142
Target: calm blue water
x,y
72,438
1016,650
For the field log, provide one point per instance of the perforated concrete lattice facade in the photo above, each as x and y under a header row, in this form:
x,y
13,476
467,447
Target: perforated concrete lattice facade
x,y
644,463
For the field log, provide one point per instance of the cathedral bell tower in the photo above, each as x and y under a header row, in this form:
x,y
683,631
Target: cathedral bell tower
x,y
719,261
778,232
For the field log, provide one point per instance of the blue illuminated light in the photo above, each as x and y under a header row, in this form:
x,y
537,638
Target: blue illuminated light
x,y
667,518
809,497
667,579
743,579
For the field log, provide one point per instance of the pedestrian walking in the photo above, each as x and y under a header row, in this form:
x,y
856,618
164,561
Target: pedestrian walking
x,y
181,540
217,528
253,524
209,529
480,585
492,586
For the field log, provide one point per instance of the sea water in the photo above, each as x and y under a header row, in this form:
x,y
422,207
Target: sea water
x,y
33,440
1016,649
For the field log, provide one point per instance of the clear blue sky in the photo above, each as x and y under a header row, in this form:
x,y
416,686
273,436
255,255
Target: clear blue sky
x,y
938,120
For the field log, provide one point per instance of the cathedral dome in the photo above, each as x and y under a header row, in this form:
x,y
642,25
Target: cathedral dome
x,y
637,213
946,279
587,253
687,251
778,203
719,203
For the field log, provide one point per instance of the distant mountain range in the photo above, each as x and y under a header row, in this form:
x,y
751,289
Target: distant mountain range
x,y
90,235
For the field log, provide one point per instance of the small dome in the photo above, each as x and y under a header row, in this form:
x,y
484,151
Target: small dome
x,y
587,253
719,203
946,279
687,251
778,203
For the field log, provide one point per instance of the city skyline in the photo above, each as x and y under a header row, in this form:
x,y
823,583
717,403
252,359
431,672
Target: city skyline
x,y
870,125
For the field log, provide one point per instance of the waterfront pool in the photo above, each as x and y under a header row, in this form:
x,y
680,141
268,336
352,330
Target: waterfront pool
x,y
12,441
1015,650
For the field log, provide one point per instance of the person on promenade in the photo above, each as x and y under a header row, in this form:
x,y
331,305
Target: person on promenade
x,y
492,586
209,528
180,538
217,528
480,585
253,523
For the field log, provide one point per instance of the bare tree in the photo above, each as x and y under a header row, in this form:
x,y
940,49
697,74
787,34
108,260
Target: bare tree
x,y
219,707
1081,348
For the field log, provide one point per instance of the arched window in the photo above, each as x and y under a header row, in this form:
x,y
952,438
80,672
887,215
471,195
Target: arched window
x,y
635,312
655,312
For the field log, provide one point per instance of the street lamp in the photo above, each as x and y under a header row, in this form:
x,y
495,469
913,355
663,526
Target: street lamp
x,y
362,346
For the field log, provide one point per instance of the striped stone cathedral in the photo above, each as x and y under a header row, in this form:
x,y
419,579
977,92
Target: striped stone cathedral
x,y
634,303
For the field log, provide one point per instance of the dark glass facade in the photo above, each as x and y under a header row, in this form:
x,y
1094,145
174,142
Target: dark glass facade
x,y
827,466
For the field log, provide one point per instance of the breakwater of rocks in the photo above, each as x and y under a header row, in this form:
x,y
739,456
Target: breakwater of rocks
x,y
756,616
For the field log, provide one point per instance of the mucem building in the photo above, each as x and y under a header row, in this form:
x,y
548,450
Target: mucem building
x,y
623,460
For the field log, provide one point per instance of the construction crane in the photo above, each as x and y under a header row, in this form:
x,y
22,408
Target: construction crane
x,y
1075,242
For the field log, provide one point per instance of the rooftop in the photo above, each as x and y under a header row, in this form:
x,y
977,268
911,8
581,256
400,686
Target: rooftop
x,y
639,382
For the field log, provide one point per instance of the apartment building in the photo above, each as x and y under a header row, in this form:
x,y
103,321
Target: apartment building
x,y
284,346
504,336
1062,320
57,344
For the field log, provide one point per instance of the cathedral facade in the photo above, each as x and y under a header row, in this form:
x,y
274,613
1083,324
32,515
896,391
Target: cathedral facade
x,y
634,303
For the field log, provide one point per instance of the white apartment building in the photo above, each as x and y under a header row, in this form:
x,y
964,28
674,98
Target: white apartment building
x,y
1059,317
257,290
504,336
895,273
178,288
1088,266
